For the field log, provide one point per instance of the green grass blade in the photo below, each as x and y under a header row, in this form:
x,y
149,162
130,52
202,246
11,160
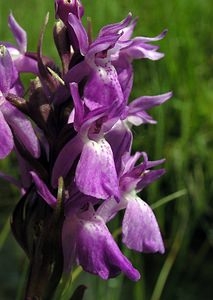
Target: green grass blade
x,y
169,198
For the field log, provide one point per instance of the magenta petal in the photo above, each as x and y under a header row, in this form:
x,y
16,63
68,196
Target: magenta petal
x,y
63,8
120,140
77,200
96,174
128,31
43,190
26,64
136,51
17,88
102,44
149,177
153,39
80,33
22,128
125,75
66,158
140,228
103,90
139,118
77,72
79,107
109,209
114,28
19,34
99,254
147,102
6,138
6,70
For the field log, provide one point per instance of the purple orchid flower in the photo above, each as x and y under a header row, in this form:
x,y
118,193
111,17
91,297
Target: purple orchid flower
x,y
95,173
10,115
100,178
86,238
22,60
107,64
140,229
113,50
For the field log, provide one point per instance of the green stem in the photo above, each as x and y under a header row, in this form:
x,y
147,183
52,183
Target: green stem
x,y
156,295
4,233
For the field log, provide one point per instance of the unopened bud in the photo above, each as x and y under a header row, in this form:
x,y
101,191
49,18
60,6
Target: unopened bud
x,y
64,7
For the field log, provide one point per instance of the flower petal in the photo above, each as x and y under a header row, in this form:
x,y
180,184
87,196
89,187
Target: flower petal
x,y
101,44
26,64
147,102
77,72
149,177
139,118
63,8
138,49
109,208
103,89
19,34
6,70
140,228
80,33
99,254
22,128
95,173
79,107
125,75
66,158
43,190
120,140
6,138
156,38
114,28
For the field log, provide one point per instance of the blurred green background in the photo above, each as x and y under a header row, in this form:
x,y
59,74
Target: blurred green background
x,y
183,136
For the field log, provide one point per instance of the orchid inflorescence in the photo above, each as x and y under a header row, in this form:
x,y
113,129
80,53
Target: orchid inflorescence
x,y
72,138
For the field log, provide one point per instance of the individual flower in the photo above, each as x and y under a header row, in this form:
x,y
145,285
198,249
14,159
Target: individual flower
x,y
86,238
113,49
95,172
140,229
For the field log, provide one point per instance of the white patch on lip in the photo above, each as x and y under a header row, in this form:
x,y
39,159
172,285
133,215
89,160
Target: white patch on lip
x,y
103,74
14,53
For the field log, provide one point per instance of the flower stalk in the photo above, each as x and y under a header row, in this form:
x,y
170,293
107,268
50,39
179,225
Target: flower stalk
x,y
72,136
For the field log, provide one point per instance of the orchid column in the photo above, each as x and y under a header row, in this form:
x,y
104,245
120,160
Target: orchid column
x,y
72,135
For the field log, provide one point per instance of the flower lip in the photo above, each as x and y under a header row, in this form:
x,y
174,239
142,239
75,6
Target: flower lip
x,y
96,250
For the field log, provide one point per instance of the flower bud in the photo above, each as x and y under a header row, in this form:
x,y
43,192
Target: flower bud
x,y
64,7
